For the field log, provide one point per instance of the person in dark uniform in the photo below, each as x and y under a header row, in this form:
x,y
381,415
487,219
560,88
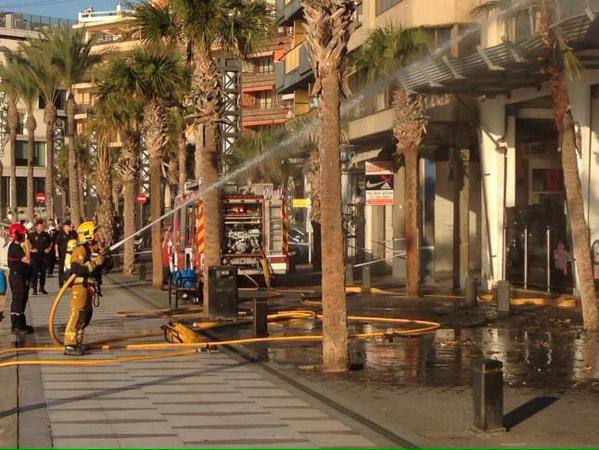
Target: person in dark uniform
x,y
41,243
51,258
65,234
18,278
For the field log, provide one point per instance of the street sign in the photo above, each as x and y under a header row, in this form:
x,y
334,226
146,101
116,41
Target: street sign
x,y
301,203
379,198
141,198
40,197
378,167
379,182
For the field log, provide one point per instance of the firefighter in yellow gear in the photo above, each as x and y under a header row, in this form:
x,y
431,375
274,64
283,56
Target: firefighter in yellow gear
x,y
87,269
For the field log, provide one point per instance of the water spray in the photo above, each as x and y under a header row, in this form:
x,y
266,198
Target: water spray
x,y
347,107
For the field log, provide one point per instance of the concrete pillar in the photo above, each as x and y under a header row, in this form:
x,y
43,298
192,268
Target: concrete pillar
x,y
461,266
493,121
443,222
592,184
388,238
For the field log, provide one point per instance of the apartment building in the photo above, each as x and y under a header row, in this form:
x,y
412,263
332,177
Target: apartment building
x,y
491,179
15,28
377,223
260,104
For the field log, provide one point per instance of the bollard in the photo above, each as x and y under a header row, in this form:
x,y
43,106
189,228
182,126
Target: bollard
x,y
487,384
142,271
260,320
471,294
503,297
366,279
349,274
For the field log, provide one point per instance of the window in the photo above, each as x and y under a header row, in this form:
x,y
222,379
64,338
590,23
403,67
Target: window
x,y
22,191
264,64
5,184
384,5
265,99
21,123
39,155
60,102
523,24
39,185
358,16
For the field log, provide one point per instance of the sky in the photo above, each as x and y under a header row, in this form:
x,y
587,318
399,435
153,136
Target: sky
x,y
57,8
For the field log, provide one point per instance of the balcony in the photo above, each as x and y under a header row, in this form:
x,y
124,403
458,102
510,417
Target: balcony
x,y
286,10
253,117
294,70
115,46
251,82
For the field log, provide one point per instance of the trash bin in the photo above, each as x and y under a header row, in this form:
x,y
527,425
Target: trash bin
x,y
222,292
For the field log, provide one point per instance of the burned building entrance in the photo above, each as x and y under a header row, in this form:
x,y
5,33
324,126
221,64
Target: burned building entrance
x,y
538,242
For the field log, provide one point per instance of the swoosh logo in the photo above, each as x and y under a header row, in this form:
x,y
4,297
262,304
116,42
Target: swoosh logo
x,y
370,185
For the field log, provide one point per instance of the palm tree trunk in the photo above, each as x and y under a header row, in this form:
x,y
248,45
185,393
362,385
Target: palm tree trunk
x,y
50,121
211,203
408,129
335,348
574,200
31,127
104,191
182,154
82,183
552,64
315,209
205,91
72,158
412,224
13,123
128,166
129,225
155,138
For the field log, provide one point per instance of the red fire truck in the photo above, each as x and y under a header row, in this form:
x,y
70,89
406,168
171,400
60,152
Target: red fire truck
x,y
254,230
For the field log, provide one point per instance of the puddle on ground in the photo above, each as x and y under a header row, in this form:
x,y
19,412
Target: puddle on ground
x,y
559,359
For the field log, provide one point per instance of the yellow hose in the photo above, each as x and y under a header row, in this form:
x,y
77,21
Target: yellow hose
x,y
193,347
55,338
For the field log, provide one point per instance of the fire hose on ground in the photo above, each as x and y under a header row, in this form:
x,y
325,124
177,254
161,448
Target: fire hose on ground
x,y
187,348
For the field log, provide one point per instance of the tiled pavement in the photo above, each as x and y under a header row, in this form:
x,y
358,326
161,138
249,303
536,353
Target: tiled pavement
x,y
200,400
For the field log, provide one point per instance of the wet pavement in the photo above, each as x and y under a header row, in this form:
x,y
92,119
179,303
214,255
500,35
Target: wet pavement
x,y
416,391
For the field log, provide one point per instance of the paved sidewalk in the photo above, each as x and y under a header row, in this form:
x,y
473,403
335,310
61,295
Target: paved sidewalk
x,y
202,400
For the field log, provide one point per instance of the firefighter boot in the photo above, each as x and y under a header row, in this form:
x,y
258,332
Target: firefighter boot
x,y
74,350
19,327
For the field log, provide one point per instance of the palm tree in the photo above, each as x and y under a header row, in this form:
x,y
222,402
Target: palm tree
x,y
124,119
237,27
104,188
385,50
37,57
327,31
559,62
15,73
72,60
154,79
13,96
177,129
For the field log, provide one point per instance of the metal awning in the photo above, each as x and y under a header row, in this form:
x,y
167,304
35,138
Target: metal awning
x,y
509,65
366,155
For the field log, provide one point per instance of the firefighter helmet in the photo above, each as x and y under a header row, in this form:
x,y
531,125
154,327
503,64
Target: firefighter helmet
x,y
15,230
87,231
71,245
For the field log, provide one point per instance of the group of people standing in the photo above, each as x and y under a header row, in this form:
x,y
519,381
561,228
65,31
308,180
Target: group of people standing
x,y
31,255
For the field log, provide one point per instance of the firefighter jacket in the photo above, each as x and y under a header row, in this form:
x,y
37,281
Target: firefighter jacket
x,y
83,266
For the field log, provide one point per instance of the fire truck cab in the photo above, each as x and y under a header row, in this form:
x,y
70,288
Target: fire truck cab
x,y
254,230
